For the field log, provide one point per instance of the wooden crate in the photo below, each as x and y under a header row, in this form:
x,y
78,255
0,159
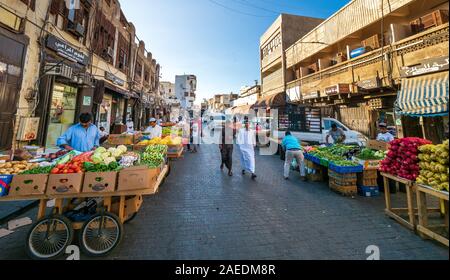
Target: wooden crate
x,y
373,42
318,174
368,178
425,230
344,190
342,176
343,181
430,20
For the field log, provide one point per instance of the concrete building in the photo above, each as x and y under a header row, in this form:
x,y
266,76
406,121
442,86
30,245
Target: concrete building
x,y
221,102
185,88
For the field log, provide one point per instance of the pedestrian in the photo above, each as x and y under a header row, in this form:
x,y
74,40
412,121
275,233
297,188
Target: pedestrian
x,y
293,151
246,141
82,137
103,135
226,146
154,130
195,139
384,135
337,134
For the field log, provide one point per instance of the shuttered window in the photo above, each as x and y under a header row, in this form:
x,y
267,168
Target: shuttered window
x,y
104,34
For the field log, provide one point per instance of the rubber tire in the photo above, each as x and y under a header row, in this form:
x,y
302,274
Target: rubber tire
x,y
71,235
80,235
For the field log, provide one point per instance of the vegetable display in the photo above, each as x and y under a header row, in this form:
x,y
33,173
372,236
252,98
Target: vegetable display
x,y
169,141
154,155
402,159
172,131
369,154
74,166
434,166
56,155
16,167
101,167
38,170
128,159
336,154
104,156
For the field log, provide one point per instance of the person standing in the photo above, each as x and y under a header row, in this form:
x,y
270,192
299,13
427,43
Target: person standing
x,y
293,150
103,135
82,137
247,142
226,146
130,125
337,134
384,134
154,130
195,138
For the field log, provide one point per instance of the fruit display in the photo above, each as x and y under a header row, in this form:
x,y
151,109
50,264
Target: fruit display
x,y
107,156
402,158
434,166
169,141
172,131
369,154
154,155
16,167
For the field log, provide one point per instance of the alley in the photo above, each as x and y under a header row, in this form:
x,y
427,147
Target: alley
x,y
201,213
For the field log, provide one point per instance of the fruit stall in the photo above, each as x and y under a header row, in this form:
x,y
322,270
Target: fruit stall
x,y
95,192
424,169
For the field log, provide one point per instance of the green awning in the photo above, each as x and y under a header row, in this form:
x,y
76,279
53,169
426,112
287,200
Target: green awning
x,y
424,96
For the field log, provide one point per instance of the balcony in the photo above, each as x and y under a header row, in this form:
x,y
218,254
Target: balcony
x,y
409,51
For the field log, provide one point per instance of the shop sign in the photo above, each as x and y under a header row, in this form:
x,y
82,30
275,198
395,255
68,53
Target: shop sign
x,y
338,89
369,84
431,65
311,95
87,101
114,79
339,101
65,50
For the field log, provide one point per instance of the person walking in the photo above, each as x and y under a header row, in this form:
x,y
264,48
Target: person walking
x,y
195,138
247,142
293,151
226,146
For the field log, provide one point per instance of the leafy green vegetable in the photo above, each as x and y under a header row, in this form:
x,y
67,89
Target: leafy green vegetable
x,y
101,167
369,154
38,170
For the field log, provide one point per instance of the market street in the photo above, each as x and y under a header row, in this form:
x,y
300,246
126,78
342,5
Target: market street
x,y
201,213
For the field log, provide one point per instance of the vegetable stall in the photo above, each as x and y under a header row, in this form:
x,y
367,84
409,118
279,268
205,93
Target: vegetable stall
x,y
95,192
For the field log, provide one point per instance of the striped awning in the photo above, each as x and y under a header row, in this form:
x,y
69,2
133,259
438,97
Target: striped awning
x,y
424,96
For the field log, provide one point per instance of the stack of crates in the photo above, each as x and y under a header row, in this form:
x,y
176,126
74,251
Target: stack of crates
x,y
314,172
367,183
343,183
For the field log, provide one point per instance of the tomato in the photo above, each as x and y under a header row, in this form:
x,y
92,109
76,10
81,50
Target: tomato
x,y
55,171
60,166
65,171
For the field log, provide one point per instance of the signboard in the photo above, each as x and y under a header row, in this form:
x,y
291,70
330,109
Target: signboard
x,y
87,100
114,79
373,83
338,89
311,95
431,65
65,50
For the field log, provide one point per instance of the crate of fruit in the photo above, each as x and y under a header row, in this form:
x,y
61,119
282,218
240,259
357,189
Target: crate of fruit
x,y
346,169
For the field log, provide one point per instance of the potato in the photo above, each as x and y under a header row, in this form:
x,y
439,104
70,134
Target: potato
x,y
24,162
2,165
8,165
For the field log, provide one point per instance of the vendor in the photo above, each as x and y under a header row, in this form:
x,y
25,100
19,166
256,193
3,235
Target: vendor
x,y
384,134
154,130
82,137
337,134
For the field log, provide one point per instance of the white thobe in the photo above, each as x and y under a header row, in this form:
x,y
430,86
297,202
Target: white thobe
x,y
154,131
246,141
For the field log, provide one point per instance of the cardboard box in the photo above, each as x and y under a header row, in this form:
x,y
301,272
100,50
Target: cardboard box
x,y
102,182
378,145
138,178
64,183
124,139
23,185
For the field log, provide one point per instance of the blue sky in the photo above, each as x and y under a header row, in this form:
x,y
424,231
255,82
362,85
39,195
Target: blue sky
x,y
216,40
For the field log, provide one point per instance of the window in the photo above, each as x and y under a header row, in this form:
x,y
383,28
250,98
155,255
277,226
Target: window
x,y
30,3
122,57
146,76
75,21
138,71
104,36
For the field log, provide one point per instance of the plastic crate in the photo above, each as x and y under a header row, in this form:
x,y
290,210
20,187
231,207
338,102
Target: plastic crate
x,y
368,191
5,181
324,162
346,169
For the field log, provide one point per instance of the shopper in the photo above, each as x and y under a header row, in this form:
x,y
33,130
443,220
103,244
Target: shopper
x,y
384,135
337,134
247,142
226,146
82,137
293,151
103,135
154,129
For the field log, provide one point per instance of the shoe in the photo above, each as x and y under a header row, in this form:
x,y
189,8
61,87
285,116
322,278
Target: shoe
x,y
243,172
254,176
286,178
230,173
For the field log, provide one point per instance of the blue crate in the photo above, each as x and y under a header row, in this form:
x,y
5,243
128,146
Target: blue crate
x,y
368,191
5,181
346,169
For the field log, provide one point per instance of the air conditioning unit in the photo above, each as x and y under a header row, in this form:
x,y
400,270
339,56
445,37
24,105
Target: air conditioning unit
x,y
56,69
75,28
110,52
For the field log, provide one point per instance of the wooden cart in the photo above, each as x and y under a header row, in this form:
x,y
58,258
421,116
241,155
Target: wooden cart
x,y
424,229
99,234
177,155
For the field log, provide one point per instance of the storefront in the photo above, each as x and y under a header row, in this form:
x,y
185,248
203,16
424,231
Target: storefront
x,y
66,90
423,100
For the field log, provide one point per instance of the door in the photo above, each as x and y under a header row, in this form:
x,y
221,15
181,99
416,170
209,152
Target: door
x,y
11,58
105,113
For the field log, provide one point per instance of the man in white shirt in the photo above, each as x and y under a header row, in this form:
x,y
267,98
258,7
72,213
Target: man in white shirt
x,y
246,141
154,130
130,126
384,134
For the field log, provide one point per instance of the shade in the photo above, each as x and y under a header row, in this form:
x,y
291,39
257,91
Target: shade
x,y
424,96
243,110
271,101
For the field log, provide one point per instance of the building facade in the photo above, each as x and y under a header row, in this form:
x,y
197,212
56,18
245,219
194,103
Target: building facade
x,y
185,88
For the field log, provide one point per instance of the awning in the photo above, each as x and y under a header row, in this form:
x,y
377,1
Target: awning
x,y
243,110
424,96
271,101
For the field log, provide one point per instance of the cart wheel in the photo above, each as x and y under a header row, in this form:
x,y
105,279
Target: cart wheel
x,y
100,235
49,237
130,218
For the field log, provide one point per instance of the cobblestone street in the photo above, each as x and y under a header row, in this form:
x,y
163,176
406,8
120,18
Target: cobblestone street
x,y
201,213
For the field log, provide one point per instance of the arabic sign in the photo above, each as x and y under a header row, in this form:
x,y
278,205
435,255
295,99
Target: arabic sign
x,y
311,95
338,89
369,84
65,50
431,65
116,80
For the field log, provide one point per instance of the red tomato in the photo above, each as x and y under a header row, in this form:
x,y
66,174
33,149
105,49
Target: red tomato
x,y
55,171
65,171
60,166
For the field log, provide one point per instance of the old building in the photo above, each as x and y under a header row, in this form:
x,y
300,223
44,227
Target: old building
x,y
78,59
185,88
357,65
248,97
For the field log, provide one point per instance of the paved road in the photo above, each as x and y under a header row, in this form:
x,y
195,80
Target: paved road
x,y
201,213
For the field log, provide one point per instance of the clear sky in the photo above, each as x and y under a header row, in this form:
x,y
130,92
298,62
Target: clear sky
x,y
216,40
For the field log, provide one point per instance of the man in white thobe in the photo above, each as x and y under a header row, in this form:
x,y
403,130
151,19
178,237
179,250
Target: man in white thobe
x,y
247,141
153,130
